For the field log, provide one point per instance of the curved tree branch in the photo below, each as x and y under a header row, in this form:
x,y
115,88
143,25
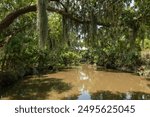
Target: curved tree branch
x,y
15,14
75,18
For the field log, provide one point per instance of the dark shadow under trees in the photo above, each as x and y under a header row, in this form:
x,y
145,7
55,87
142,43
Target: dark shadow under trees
x,y
36,89
108,95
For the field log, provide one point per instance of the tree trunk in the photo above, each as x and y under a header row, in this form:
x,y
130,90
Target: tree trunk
x,y
42,22
133,39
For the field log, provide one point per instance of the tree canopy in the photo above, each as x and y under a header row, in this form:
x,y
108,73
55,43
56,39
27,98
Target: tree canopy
x,y
41,31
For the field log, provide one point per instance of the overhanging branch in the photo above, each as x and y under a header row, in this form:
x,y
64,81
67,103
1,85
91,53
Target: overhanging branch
x,y
15,14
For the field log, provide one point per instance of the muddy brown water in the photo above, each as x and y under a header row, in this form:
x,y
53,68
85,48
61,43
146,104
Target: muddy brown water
x,y
82,83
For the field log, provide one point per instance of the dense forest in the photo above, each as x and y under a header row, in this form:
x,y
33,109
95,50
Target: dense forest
x,y
37,36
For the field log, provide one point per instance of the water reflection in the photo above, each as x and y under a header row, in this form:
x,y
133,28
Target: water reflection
x,y
85,95
85,74
82,83
107,95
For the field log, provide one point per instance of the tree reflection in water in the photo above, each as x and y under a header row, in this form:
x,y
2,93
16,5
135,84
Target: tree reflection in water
x,y
107,95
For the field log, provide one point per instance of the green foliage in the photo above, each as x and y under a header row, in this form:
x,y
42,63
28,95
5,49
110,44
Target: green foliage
x,y
118,55
55,39
111,30
70,58
147,44
7,79
145,56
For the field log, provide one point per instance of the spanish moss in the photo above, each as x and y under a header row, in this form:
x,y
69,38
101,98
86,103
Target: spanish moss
x,y
42,22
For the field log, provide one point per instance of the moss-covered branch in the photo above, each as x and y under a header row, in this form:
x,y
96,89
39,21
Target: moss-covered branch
x,y
14,15
8,20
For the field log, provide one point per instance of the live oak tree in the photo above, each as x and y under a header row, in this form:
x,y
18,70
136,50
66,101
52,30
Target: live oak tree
x,y
112,29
